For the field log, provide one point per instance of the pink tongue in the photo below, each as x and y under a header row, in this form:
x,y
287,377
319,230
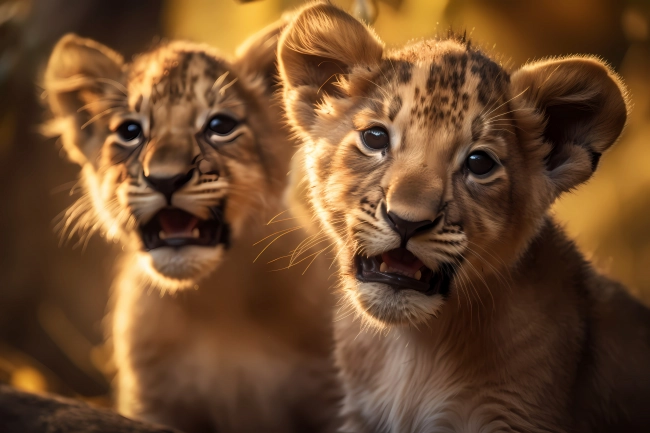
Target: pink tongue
x,y
174,221
403,260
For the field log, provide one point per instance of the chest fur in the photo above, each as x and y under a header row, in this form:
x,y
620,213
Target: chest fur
x,y
394,385
225,370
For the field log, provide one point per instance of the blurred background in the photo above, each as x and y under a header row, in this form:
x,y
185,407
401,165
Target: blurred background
x,y
54,295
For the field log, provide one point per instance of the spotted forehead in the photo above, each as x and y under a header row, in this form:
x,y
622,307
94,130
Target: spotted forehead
x,y
179,74
439,81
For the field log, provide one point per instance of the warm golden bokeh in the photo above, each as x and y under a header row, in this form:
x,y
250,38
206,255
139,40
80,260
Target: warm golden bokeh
x,y
53,299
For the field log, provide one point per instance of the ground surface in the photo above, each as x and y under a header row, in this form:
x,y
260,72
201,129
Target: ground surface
x,y
28,413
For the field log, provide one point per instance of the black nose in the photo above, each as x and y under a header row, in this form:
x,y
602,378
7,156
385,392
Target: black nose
x,y
406,229
169,185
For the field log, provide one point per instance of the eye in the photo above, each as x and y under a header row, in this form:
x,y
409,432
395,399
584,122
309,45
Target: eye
x,y
375,138
129,130
480,163
222,124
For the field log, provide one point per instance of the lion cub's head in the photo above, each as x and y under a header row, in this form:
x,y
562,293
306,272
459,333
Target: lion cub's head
x,y
178,148
431,165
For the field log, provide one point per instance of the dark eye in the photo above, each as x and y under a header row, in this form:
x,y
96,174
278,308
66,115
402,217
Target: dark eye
x,y
129,130
221,124
375,138
480,163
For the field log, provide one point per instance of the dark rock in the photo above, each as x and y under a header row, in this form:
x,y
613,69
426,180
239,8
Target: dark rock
x,y
22,412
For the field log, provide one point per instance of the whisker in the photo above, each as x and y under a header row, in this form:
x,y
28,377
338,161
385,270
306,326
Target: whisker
x,y
509,100
113,83
271,243
99,116
281,213
496,116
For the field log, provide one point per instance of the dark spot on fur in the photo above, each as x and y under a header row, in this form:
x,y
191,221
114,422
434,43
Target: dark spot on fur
x,y
432,81
465,99
138,104
477,128
394,107
493,78
403,71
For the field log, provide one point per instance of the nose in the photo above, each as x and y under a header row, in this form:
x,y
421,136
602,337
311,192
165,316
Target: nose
x,y
407,229
168,185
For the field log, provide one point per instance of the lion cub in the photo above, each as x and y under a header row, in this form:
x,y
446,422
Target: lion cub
x,y
433,169
183,157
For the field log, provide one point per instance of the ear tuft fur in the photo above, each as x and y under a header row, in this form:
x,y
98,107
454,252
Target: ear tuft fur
x,y
80,76
322,33
257,55
579,107
320,44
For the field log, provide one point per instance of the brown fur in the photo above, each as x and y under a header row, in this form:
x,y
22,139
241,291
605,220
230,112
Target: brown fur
x,y
204,339
528,337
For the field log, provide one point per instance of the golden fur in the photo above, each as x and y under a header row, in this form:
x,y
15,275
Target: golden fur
x,y
204,339
521,334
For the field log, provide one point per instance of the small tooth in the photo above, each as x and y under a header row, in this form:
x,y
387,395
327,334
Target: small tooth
x,y
196,233
162,235
418,275
383,267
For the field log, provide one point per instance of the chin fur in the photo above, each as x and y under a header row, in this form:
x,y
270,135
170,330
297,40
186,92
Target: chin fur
x,y
180,268
382,306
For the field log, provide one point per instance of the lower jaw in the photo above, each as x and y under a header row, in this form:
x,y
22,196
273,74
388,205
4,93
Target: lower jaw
x,y
383,307
170,269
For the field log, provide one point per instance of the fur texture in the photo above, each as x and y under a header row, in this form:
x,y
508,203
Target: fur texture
x,y
204,339
526,337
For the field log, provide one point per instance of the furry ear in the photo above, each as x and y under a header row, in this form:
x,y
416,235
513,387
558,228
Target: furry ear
x,y
83,81
257,55
578,105
321,43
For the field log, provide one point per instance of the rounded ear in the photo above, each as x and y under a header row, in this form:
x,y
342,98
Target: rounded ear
x,y
83,79
320,44
257,55
578,106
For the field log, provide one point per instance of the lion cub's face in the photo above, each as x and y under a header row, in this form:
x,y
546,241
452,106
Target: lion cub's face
x,y
432,166
176,148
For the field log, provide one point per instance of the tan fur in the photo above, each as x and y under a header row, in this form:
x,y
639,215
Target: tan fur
x,y
204,339
529,338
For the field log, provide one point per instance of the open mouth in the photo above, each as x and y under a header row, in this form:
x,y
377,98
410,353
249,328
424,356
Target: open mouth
x,y
401,269
173,227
